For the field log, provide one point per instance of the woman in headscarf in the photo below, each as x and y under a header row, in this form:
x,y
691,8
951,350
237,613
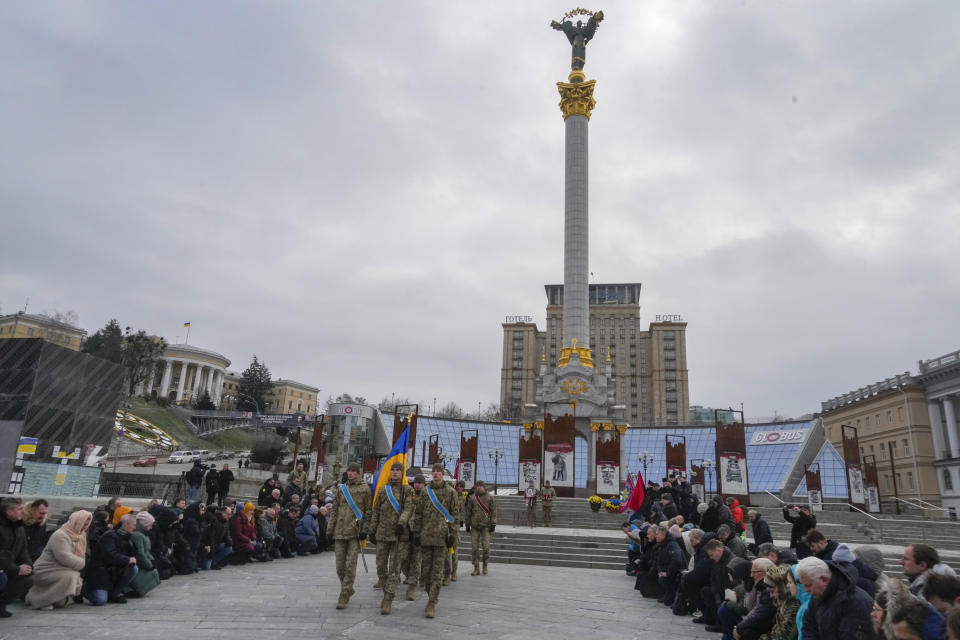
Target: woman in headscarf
x,y
56,574
147,575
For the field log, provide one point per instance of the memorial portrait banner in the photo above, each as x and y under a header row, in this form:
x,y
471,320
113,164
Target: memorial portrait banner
x,y
607,446
851,457
814,488
608,479
529,456
468,457
676,455
731,448
559,439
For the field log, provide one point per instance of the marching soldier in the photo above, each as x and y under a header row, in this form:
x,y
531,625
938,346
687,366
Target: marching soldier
x,y
481,521
450,570
386,532
349,518
434,523
547,495
411,557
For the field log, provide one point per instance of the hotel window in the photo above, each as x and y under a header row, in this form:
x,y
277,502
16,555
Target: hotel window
x,y
947,480
867,421
886,482
906,447
910,479
889,417
894,453
899,483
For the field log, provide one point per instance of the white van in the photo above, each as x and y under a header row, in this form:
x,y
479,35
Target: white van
x,y
178,457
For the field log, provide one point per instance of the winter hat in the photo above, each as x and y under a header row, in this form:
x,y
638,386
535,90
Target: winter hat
x,y
248,506
871,556
843,554
120,512
674,531
702,508
353,466
776,577
314,509
145,519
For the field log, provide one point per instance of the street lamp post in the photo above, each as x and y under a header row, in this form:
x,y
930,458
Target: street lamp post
x,y
495,455
645,458
708,466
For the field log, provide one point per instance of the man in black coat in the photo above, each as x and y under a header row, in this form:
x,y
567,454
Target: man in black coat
x,y
13,539
712,596
776,555
698,577
761,530
839,609
212,481
759,620
194,479
668,507
112,565
286,525
669,566
224,478
802,521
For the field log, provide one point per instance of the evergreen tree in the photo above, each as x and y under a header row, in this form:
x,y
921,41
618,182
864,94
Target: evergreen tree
x,y
205,402
106,343
255,384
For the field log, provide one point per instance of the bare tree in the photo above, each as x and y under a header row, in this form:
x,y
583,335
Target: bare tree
x,y
450,410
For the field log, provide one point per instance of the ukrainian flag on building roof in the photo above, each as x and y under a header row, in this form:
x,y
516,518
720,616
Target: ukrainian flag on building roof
x,y
397,454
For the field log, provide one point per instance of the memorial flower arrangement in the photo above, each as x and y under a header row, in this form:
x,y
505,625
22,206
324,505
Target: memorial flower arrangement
x,y
595,503
612,505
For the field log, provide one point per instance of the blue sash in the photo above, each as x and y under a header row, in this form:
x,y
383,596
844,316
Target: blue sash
x,y
353,505
436,503
392,499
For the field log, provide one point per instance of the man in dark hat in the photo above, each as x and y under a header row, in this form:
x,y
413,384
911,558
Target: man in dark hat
x,y
349,518
432,518
386,531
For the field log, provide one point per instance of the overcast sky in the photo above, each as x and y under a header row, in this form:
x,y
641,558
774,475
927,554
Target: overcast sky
x,y
359,192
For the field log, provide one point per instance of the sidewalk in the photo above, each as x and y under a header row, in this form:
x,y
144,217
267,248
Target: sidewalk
x,y
294,599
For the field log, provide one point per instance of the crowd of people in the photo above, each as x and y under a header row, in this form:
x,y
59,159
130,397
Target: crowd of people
x,y
117,552
695,559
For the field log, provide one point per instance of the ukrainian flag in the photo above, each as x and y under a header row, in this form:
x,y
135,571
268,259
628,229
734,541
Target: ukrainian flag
x,y
397,454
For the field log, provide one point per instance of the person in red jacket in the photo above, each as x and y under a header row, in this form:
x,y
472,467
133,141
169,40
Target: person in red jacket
x,y
737,511
244,534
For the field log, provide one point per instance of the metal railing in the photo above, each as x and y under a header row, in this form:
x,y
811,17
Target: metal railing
x,y
927,505
775,497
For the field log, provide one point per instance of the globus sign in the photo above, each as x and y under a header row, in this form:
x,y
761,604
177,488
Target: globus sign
x,y
779,436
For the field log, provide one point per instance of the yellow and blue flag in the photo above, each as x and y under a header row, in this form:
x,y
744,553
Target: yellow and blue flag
x,y
397,454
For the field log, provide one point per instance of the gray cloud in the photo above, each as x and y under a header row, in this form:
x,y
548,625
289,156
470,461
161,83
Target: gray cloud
x,y
358,193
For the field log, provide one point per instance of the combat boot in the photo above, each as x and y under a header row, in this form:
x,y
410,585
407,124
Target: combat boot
x,y
476,569
484,568
411,592
446,580
386,606
379,585
430,611
453,577
343,600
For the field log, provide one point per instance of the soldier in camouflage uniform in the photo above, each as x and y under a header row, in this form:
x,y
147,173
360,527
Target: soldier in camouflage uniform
x,y
547,495
450,568
481,521
348,530
411,559
386,531
434,531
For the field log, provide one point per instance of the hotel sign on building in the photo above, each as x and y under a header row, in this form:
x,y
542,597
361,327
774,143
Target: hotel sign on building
x,y
780,436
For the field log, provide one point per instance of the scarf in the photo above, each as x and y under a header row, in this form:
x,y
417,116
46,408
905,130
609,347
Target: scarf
x,y
76,529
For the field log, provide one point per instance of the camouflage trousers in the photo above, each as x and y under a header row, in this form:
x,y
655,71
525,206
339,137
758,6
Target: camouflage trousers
x,y
411,563
347,552
450,566
480,541
389,561
532,515
433,559
548,515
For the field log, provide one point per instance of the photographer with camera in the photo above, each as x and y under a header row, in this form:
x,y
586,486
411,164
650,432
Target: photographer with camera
x,y
802,520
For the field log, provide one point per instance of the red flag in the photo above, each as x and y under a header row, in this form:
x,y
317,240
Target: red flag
x,y
636,496
456,472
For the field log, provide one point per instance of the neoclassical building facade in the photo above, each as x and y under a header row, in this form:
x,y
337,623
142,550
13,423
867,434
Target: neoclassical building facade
x,y
184,372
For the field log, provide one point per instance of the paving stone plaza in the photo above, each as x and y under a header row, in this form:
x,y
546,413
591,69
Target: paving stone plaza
x,y
289,599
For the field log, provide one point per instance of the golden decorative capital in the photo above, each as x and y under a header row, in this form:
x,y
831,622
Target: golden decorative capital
x,y
576,98
622,429
584,354
594,426
538,425
528,426
607,426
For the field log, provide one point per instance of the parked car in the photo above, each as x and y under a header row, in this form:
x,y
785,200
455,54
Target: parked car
x,y
206,456
243,454
178,457
145,462
221,455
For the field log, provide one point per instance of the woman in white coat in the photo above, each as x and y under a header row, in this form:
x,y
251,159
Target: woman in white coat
x,y
56,573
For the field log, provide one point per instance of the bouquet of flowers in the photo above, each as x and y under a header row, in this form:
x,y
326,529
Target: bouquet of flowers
x,y
595,503
612,505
